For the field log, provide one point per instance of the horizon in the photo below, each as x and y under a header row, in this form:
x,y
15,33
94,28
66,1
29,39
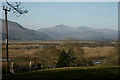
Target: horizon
x,y
74,14
65,26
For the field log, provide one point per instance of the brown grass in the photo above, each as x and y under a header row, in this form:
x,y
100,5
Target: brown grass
x,y
24,50
97,52
17,48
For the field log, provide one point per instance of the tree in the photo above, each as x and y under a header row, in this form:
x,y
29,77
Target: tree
x,y
75,53
63,60
47,56
16,8
71,57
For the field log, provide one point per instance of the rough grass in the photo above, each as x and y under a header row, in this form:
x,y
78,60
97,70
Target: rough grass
x,y
76,73
23,50
97,51
88,52
17,48
71,73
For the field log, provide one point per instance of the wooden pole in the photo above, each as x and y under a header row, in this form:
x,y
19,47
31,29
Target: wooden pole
x,y
6,24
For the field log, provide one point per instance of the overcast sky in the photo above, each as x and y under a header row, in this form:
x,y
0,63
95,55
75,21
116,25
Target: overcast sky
x,y
74,14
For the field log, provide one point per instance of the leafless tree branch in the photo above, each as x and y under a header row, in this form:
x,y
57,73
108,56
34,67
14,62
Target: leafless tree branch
x,y
16,8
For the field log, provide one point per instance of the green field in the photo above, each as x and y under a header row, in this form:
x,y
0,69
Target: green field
x,y
70,73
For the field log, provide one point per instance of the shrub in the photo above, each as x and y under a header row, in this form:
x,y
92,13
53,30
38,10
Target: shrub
x,y
113,57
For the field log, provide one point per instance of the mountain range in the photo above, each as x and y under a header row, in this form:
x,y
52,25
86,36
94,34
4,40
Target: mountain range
x,y
58,32
61,32
18,32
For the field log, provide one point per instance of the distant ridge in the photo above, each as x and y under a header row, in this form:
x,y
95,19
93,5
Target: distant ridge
x,y
58,32
61,32
18,32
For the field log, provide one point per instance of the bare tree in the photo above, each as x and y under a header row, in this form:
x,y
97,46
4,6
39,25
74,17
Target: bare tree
x,y
16,8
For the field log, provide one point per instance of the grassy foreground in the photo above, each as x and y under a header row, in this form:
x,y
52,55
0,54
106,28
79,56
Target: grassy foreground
x,y
71,73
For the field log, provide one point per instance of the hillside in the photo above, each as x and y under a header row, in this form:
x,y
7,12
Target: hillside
x,y
18,32
71,73
61,32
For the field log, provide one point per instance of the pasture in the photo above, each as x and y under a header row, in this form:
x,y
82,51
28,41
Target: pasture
x,y
21,52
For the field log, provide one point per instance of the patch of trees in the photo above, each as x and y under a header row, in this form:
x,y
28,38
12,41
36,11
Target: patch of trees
x,y
69,59
66,59
72,54
47,56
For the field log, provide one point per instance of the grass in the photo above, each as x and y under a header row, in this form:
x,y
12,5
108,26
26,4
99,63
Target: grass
x,y
97,51
17,48
25,49
70,73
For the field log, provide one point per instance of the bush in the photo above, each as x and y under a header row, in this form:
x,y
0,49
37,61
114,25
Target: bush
x,y
113,57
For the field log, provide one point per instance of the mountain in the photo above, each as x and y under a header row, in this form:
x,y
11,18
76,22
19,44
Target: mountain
x,y
61,32
18,32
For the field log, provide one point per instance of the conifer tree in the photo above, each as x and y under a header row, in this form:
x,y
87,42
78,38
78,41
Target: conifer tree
x,y
63,60
71,57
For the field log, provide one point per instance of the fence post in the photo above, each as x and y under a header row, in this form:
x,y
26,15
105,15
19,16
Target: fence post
x,y
12,67
30,66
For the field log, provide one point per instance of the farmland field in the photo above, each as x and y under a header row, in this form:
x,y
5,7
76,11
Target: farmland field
x,y
21,48
17,48
47,53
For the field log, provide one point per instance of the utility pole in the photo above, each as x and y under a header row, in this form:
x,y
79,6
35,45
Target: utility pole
x,y
19,10
6,24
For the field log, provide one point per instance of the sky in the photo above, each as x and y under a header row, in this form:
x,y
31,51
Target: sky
x,y
74,14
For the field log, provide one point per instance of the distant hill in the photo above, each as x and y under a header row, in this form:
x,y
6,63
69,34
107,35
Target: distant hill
x,y
61,32
18,32
58,32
